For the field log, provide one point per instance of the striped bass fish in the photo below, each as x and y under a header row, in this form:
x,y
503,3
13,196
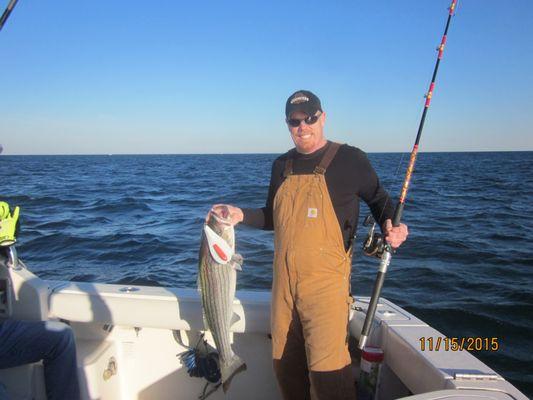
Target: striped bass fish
x,y
217,278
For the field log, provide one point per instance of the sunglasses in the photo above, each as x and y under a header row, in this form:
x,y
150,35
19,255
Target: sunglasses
x,y
294,122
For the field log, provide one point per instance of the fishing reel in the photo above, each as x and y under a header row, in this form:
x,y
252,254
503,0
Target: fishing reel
x,y
375,243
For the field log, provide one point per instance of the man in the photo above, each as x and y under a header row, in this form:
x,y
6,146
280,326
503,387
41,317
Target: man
x,y
313,207
24,342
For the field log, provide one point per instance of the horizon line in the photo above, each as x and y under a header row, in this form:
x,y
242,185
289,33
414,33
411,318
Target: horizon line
x,y
253,153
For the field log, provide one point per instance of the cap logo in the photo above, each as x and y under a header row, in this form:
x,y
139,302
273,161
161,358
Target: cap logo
x,y
299,99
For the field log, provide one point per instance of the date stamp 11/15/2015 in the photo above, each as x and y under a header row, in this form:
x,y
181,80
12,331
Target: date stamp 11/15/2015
x,y
431,343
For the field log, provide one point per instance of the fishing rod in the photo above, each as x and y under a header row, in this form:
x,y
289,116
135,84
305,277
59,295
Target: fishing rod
x,y
375,245
6,13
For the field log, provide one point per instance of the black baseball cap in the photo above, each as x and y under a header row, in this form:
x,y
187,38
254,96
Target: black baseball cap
x,y
304,101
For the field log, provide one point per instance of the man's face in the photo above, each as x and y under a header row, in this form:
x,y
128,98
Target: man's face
x,y
307,138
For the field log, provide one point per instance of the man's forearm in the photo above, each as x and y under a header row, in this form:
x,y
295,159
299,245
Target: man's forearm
x,y
382,207
254,217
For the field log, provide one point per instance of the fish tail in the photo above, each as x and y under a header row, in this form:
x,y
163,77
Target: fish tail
x,y
230,369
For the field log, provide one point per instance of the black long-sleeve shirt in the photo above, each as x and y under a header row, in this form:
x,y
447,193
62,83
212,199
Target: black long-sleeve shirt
x,y
349,177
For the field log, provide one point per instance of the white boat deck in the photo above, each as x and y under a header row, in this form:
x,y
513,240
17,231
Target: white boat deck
x,y
128,341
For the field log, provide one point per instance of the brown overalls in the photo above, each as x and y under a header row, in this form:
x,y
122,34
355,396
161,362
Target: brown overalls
x,y
311,289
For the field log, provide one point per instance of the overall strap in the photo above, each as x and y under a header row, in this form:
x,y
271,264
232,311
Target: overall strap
x,y
288,164
327,158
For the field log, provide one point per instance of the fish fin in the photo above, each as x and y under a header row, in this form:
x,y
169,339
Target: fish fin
x,y
237,258
234,318
230,369
237,262
204,318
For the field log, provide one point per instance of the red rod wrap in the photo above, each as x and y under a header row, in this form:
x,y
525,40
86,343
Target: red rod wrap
x,y
452,7
441,47
430,94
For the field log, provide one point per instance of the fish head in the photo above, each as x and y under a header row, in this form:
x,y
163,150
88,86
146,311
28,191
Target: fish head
x,y
220,223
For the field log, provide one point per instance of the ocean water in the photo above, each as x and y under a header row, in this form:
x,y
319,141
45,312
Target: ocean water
x,y
467,268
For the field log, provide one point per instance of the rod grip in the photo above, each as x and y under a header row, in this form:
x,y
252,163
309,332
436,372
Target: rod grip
x,y
397,214
371,311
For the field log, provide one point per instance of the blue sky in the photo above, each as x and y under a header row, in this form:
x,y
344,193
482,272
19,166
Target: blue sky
x,y
213,77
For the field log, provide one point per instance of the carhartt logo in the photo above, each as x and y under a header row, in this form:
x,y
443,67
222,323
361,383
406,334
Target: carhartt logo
x,y
312,213
299,99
